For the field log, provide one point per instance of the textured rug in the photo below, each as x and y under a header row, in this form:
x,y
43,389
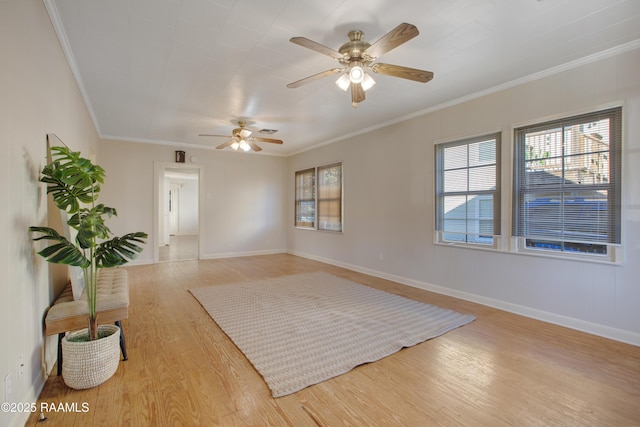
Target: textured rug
x,y
303,329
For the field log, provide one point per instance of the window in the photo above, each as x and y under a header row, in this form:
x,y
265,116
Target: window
x,y
567,184
330,198
468,191
306,198
319,198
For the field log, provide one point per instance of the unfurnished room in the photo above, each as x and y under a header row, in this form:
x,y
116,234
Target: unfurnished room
x,y
320,213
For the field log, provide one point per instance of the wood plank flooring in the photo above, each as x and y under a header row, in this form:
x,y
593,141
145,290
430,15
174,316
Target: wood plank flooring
x,y
180,248
500,370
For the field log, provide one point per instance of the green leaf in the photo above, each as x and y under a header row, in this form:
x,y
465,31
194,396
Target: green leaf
x,y
119,250
71,179
90,225
61,252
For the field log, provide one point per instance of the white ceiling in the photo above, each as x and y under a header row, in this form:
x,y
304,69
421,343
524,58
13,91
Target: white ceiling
x,y
164,71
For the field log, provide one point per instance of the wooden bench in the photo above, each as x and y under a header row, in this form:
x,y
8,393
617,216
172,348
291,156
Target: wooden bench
x,y
67,314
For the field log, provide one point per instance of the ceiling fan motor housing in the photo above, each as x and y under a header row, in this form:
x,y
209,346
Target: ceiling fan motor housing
x,y
353,50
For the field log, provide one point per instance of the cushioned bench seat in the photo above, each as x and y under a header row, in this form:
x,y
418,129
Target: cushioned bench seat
x,y
67,314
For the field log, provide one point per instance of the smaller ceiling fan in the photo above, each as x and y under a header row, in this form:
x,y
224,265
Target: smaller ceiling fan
x,y
357,56
243,139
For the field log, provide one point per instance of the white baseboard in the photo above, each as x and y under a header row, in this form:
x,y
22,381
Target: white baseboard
x,y
545,316
242,254
138,261
20,418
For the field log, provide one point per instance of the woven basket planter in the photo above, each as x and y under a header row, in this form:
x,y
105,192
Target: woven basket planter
x,y
86,364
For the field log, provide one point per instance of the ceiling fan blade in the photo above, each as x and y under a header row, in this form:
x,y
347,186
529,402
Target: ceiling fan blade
x,y
394,38
402,72
310,44
254,146
273,141
226,144
314,77
357,94
208,134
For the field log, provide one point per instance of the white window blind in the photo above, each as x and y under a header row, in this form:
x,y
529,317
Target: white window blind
x,y
305,215
318,198
567,183
468,190
330,197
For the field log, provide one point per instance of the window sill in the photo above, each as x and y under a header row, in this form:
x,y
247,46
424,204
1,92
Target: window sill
x,y
469,246
497,242
319,230
614,256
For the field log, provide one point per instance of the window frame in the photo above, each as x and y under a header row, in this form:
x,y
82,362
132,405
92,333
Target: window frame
x,y
440,234
300,201
320,201
614,185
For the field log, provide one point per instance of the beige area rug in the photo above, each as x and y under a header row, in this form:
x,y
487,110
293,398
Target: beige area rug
x,y
303,329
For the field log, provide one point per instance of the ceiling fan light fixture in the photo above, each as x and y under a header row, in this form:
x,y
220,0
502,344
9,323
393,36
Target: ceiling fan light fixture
x,y
356,56
343,82
356,74
243,139
367,82
244,146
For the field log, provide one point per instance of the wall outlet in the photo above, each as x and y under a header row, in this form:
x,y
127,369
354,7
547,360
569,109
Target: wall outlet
x,y
7,388
381,256
20,367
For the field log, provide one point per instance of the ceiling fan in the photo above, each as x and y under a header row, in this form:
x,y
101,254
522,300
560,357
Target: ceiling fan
x,y
243,139
357,56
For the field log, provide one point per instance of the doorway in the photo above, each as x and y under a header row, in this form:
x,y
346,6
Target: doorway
x,y
178,210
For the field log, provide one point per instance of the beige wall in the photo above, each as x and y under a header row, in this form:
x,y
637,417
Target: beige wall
x,y
38,95
389,205
243,196
248,206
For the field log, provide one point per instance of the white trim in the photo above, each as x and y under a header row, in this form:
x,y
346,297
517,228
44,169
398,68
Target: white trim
x,y
316,226
440,241
617,50
569,114
244,254
64,42
184,145
139,261
32,395
438,235
613,256
463,138
54,16
545,316
158,173
615,253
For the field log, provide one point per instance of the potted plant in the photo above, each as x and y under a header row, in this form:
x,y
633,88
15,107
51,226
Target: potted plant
x,y
74,183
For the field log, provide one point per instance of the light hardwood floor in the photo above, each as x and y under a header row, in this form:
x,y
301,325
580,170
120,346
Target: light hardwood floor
x,y
500,370
180,248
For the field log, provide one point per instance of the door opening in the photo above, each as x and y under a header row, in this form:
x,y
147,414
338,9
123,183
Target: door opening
x,y
177,213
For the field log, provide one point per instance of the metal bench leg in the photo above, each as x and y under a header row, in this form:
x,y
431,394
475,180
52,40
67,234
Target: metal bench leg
x,y
60,338
123,346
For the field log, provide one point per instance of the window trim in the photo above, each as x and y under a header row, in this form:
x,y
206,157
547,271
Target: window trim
x,y
322,201
439,235
614,250
309,225
316,199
